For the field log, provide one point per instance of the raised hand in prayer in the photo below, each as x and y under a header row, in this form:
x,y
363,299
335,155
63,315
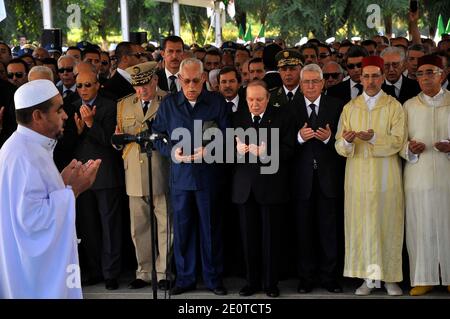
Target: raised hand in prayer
x,y
349,136
365,135
306,132
80,176
442,146
79,123
416,147
87,114
323,133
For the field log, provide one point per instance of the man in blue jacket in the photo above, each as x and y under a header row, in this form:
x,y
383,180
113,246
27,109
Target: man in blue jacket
x,y
193,182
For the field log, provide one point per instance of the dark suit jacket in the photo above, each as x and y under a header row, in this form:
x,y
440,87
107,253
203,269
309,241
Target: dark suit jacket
x,y
341,91
175,112
162,80
247,177
117,87
9,123
325,154
95,142
279,98
273,80
409,89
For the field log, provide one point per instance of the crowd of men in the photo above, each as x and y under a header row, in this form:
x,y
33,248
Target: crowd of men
x,y
362,139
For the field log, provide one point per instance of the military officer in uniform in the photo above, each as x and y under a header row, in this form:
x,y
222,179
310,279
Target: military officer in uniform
x,y
134,115
289,65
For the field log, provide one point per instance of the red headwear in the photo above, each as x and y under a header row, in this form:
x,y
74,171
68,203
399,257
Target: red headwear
x,y
373,60
430,59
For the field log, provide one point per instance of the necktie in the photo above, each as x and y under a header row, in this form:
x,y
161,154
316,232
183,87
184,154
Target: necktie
x,y
173,86
313,117
256,120
360,88
290,95
231,107
145,107
67,93
390,89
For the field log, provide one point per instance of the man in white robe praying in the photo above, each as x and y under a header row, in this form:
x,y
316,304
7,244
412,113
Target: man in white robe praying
x,y
427,179
38,243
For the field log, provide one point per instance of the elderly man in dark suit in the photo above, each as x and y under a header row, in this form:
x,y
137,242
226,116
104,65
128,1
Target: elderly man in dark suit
x,y
258,194
315,182
194,183
99,209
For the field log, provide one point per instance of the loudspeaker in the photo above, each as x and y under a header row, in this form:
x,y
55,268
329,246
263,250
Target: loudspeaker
x,y
138,37
51,36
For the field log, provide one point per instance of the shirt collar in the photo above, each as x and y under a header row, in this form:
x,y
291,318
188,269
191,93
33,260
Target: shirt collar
x,y
352,83
73,88
168,74
90,102
260,115
294,90
397,84
46,142
431,100
125,74
235,101
372,99
316,102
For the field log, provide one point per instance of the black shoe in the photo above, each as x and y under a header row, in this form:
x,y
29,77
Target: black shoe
x,y
273,292
248,290
332,286
138,284
111,284
164,284
219,291
181,290
304,287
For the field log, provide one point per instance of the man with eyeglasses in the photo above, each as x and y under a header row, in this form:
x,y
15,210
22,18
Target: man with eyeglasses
x,y
426,179
371,132
396,84
332,74
324,54
119,85
351,88
99,211
172,51
315,178
105,67
195,185
17,71
66,64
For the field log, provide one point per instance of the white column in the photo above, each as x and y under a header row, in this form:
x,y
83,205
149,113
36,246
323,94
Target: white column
x,y
176,17
218,26
47,14
124,20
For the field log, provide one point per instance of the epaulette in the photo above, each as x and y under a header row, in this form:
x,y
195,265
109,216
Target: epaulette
x,y
126,96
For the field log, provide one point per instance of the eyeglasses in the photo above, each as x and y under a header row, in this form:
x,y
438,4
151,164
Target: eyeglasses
x,y
69,69
323,55
313,82
427,73
375,76
335,76
105,62
394,65
188,81
352,66
86,85
18,75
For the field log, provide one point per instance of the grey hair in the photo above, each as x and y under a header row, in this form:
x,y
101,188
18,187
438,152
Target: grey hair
x,y
67,57
312,67
394,50
190,61
40,69
341,70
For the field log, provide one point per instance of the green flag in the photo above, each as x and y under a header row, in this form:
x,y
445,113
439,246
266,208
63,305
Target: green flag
x,y
261,37
248,35
439,30
447,30
241,33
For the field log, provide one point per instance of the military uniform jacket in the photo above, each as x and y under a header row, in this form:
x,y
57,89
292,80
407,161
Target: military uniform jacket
x,y
131,120
278,97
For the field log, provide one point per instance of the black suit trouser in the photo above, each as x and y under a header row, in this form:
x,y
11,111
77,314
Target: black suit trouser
x,y
260,230
317,235
99,226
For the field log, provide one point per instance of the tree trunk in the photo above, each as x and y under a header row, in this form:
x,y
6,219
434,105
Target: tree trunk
x,y
388,25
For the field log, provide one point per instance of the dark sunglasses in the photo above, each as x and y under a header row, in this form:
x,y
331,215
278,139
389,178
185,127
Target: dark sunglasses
x,y
335,76
69,69
352,66
18,75
86,85
105,62
323,55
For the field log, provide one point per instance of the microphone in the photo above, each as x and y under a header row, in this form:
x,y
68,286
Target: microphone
x,y
122,139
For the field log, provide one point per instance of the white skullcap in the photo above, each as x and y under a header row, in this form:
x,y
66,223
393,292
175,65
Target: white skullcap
x,y
34,93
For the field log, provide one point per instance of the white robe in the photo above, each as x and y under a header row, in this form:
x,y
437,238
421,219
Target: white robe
x,y
427,191
38,244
